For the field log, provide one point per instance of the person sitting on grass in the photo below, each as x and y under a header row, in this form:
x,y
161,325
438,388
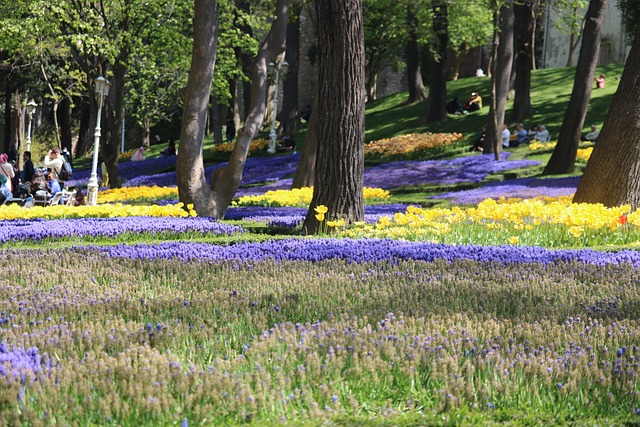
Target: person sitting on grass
x,y
591,136
474,102
54,185
521,135
542,134
506,137
478,144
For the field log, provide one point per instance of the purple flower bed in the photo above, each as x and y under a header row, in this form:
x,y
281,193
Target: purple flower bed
x,y
290,217
364,250
524,188
456,171
131,170
38,229
275,172
17,362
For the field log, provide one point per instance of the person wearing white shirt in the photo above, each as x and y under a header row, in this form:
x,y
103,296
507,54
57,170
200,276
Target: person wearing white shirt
x,y
54,161
591,136
542,134
506,135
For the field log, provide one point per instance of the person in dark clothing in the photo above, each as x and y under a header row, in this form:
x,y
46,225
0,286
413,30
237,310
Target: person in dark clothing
x,y
231,130
288,143
13,153
27,171
478,143
454,107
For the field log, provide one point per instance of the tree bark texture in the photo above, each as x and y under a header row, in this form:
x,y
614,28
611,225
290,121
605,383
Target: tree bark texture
x,y
226,179
7,116
305,173
192,185
563,157
503,45
340,113
415,84
612,175
524,24
437,102
85,128
289,116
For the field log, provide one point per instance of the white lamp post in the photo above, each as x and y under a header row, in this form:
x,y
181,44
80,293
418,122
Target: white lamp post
x,y
275,67
31,108
102,88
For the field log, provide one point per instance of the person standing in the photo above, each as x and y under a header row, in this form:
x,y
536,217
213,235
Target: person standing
x,y
27,171
6,169
54,161
13,153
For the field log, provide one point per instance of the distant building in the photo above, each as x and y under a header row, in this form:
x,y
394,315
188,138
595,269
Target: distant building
x,y
556,45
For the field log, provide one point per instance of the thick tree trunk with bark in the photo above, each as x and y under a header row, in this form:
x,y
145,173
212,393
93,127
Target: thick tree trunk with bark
x,y
437,102
612,175
563,157
305,173
415,84
340,113
503,59
7,116
192,185
524,24
85,129
66,121
213,200
216,121
289,116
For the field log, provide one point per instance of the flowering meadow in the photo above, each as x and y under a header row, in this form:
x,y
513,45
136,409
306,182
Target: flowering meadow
x,y
508,306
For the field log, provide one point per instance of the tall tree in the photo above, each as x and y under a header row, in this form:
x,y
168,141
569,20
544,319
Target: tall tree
x,y
525,14
290,117
340,113
612,176
437,102
563,157
214,199
500,75
413,57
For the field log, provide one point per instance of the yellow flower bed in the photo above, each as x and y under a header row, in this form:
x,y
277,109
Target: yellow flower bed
x,y
126,155
584,153
407,144
133,193
8,212
299,197
536,145
257,146
542,221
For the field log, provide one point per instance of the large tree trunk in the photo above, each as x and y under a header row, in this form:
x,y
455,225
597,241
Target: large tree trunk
x,y
437,102
563,157
305,173
340,113
110,143
7,116
503,59
216,120
524,25
85,129
612,175
192,185
66,122
415,84
214,200
246,62
289,117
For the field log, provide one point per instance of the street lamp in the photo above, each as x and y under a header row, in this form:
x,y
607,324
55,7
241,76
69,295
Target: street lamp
x,y
31,108
277,67
102,88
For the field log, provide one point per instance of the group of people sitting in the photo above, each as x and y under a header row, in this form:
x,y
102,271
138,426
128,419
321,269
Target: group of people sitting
x,y
519,136
474,103
35,184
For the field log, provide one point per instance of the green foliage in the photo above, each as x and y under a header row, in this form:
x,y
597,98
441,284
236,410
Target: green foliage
x,y
470,25
630,10
570,16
